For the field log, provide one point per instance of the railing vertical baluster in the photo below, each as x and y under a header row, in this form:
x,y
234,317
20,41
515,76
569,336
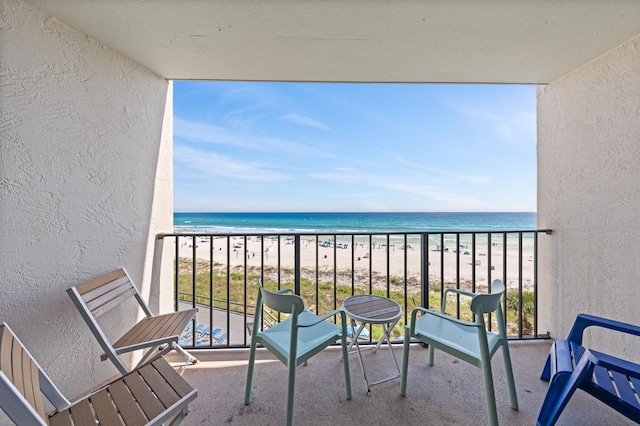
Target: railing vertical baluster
x,y
177,273
441,267
228,285
193,278
296,264
489,268
406,249
424,271
244,293
520,284
535,284
279,264
353,265
504,272
473,262
317,275
388,248
457,253
211,294
335,271
261,276
370,263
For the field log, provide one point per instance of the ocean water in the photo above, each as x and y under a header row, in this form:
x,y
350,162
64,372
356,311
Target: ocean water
x,y
326,224
282,223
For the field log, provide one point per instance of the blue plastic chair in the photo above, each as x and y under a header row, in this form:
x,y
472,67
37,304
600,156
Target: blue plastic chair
x,y
469,341
570,366
296,339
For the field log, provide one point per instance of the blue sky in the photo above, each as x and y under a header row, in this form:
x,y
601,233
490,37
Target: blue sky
x,y
261,147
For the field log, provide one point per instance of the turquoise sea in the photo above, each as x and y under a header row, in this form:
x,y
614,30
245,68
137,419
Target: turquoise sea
x,y
282,223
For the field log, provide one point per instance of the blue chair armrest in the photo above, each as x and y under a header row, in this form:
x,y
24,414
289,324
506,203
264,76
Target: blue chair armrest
x,y
622,366
584,320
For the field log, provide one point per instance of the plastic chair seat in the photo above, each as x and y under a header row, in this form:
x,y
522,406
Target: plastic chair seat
x,y
459,338
278,338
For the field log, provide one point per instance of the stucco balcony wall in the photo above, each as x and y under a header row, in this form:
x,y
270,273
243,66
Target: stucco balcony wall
x,y
85,183
588,180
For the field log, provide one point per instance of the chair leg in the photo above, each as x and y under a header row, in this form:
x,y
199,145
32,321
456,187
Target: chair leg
x,y
560,391
189,359
180,417
511,384
405,361
492,412
432,351
252,361
291,393
345,358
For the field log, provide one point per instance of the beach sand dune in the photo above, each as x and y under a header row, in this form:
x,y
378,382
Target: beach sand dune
x,y
360,263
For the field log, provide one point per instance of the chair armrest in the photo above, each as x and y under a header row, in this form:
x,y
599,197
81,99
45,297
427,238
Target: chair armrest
x,y
452,319
458,291
609,362
324,318
415,311
584,320
445,298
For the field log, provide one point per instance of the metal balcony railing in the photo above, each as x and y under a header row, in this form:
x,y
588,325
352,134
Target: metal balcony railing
x,y
218,273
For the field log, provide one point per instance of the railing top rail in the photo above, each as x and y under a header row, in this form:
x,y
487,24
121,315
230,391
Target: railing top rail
x,y
313,234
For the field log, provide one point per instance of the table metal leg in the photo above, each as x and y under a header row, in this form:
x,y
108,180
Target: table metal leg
x,y
385,337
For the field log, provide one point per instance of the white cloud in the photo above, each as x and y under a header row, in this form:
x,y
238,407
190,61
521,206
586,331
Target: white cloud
x,y
208,165
509,124
198,132
461,177
305,121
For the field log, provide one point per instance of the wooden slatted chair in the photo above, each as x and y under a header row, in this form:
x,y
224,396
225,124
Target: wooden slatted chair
x,y
155,333
151,395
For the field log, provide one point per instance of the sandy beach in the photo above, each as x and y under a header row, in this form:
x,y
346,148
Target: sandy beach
x,y
361,260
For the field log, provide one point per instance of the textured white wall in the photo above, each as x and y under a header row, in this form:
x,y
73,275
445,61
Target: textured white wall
x,y
85,183
589,194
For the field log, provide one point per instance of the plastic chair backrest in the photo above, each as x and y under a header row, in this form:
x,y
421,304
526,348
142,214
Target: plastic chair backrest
x,y
285,303
487,303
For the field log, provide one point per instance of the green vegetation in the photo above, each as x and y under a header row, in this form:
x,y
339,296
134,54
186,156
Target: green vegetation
x,y
237,291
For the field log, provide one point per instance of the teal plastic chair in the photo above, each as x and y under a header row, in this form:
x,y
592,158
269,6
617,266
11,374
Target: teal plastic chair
x,y
296,339
469,341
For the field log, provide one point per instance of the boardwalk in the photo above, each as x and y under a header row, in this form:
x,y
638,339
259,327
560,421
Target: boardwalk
x,y
233,324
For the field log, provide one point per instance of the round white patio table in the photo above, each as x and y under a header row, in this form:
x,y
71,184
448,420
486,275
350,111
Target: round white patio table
x,y
370,309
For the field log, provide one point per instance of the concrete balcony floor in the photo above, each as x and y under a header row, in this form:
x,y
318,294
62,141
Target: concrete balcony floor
x,y
449,393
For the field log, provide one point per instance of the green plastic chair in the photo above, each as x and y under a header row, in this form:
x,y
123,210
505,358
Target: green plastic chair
x,y
469,341
296,339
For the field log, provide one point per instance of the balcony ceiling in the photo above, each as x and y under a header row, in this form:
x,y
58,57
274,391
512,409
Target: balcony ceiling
x,y
454,41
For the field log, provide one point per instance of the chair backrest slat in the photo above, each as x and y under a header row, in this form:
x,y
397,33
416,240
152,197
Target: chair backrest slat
x,y
21,370
91,285
109,294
